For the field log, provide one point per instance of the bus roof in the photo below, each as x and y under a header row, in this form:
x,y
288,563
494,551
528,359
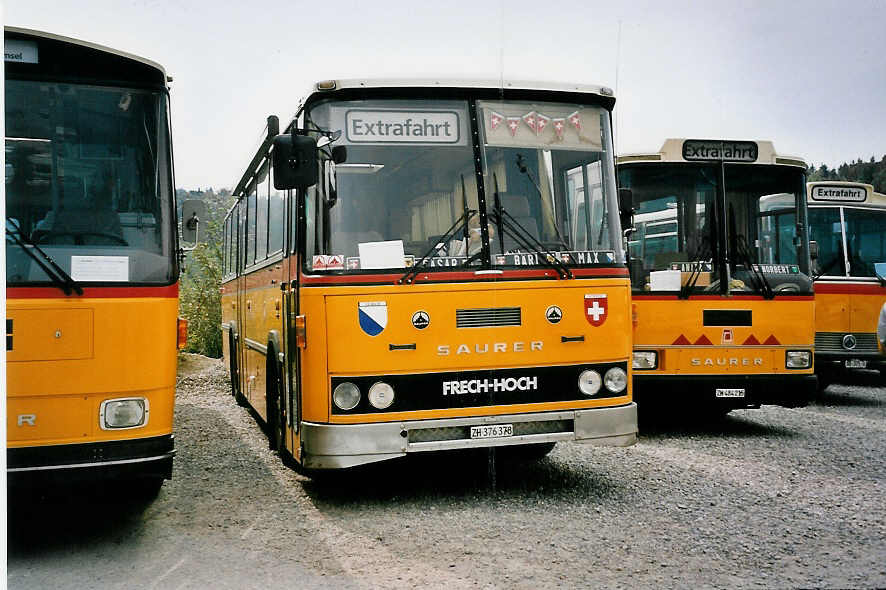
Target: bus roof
x,y
327,85
680,149
838,192
18,31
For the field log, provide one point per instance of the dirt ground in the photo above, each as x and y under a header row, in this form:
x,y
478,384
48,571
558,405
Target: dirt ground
x,y
769,498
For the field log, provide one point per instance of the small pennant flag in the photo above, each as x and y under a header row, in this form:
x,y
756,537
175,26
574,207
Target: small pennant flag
x,y
495,120
575,120
540,123
530,120
513,123
559,126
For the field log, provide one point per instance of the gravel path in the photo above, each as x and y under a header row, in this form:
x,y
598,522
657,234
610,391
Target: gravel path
x,y
770,498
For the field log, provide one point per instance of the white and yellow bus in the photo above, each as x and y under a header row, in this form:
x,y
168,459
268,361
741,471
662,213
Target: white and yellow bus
x,y
847,222
721,286
91,263
415,266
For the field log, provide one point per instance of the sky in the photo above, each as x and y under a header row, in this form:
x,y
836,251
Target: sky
x,y
810,76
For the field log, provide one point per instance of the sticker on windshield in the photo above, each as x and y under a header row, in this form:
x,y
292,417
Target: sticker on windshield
x,y
100,268
513,124
21,51
779,269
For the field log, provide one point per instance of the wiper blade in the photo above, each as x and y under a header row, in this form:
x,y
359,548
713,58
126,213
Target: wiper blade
x,y
526,240
409,276
760,282
696,260
59,277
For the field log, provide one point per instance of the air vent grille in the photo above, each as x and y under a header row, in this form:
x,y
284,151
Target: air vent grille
x,y
489,317
833,342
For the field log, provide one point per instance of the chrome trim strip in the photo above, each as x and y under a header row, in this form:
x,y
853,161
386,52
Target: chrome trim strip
x,y
256,346
226,326
168,455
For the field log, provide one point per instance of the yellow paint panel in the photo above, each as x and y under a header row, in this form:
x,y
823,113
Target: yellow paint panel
x,y
832,313
49,334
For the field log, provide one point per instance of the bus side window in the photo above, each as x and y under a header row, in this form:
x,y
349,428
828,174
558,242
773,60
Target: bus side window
x,y
261,217
250,228
276,219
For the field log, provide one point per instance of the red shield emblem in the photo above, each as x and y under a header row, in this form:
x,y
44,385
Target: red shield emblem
x,y
596,308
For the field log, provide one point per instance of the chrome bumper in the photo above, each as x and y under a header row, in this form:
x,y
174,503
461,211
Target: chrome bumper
x,y
335,446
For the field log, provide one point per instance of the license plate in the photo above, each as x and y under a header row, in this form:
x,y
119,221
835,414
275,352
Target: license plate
x,y
492,431
856,364
730,393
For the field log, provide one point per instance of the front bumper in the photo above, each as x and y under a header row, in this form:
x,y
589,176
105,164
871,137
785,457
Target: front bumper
x,y
835,362
788,390
336,446
119,459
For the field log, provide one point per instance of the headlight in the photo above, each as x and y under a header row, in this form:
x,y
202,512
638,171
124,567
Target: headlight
x,y
615,379
346,395
589,382
123,413
645,359
798,359
381,395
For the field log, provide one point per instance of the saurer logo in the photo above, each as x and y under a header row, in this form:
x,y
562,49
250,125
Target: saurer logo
x,y
490,385
726,362
446,349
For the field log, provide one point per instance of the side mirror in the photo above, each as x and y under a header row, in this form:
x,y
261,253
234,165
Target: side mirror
x,y
295,162
194,217
329,183
626,207
339,154
813,250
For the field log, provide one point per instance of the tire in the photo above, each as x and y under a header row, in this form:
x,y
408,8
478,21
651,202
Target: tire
x,y
276,423
235,377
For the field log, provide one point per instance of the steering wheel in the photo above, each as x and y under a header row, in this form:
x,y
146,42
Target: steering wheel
x,y
47,237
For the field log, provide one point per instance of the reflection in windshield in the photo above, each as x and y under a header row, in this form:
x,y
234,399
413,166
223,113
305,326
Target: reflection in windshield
x,y
411,174
678,225
87,180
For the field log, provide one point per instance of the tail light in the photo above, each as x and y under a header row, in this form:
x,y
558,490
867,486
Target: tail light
x,y
301,332
182,333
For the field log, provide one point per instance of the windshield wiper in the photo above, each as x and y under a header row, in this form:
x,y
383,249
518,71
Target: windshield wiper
x,y
702,252
760,282
524,239
59,277
521,165
409,276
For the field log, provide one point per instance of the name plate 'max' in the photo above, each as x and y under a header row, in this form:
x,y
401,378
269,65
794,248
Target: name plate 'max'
x,y
402,126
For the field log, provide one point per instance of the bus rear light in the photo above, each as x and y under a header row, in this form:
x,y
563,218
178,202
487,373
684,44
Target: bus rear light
x,y
123,413
589,382
645,360
797,359
615,380
182,333
346,396
301,332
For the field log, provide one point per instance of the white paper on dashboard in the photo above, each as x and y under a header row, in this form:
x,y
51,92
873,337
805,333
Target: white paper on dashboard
x,y
388,254
664,280
100,268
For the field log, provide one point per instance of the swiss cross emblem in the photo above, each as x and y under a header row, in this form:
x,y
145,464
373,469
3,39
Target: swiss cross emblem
x,y
596,307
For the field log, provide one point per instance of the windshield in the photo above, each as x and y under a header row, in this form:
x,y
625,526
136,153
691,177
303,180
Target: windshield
x,y
88,181
678,223
408,189
865,240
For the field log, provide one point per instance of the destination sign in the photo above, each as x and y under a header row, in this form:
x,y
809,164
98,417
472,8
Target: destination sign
x,y
363,126
726,151
18,50
833,192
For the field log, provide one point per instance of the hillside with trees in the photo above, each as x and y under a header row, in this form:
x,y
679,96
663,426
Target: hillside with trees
x,y
871,172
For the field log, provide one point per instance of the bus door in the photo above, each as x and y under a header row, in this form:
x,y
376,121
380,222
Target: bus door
x,y
292,356
240,304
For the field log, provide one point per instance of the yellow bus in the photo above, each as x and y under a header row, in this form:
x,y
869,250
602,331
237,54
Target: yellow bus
x,y
414,265
721,288
91,263
847,223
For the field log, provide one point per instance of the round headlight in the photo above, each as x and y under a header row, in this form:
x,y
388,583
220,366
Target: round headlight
x,y
615,379
589,382
346,395
381,395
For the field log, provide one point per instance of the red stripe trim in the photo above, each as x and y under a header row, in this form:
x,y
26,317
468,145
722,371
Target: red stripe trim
x,y
721,298
461,276
850,288
168,291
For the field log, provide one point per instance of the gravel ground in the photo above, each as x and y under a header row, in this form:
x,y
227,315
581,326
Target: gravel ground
x,y
769,498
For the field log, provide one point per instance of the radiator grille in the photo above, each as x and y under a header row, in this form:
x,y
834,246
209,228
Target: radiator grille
x,y
464,432
833,342
488,317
